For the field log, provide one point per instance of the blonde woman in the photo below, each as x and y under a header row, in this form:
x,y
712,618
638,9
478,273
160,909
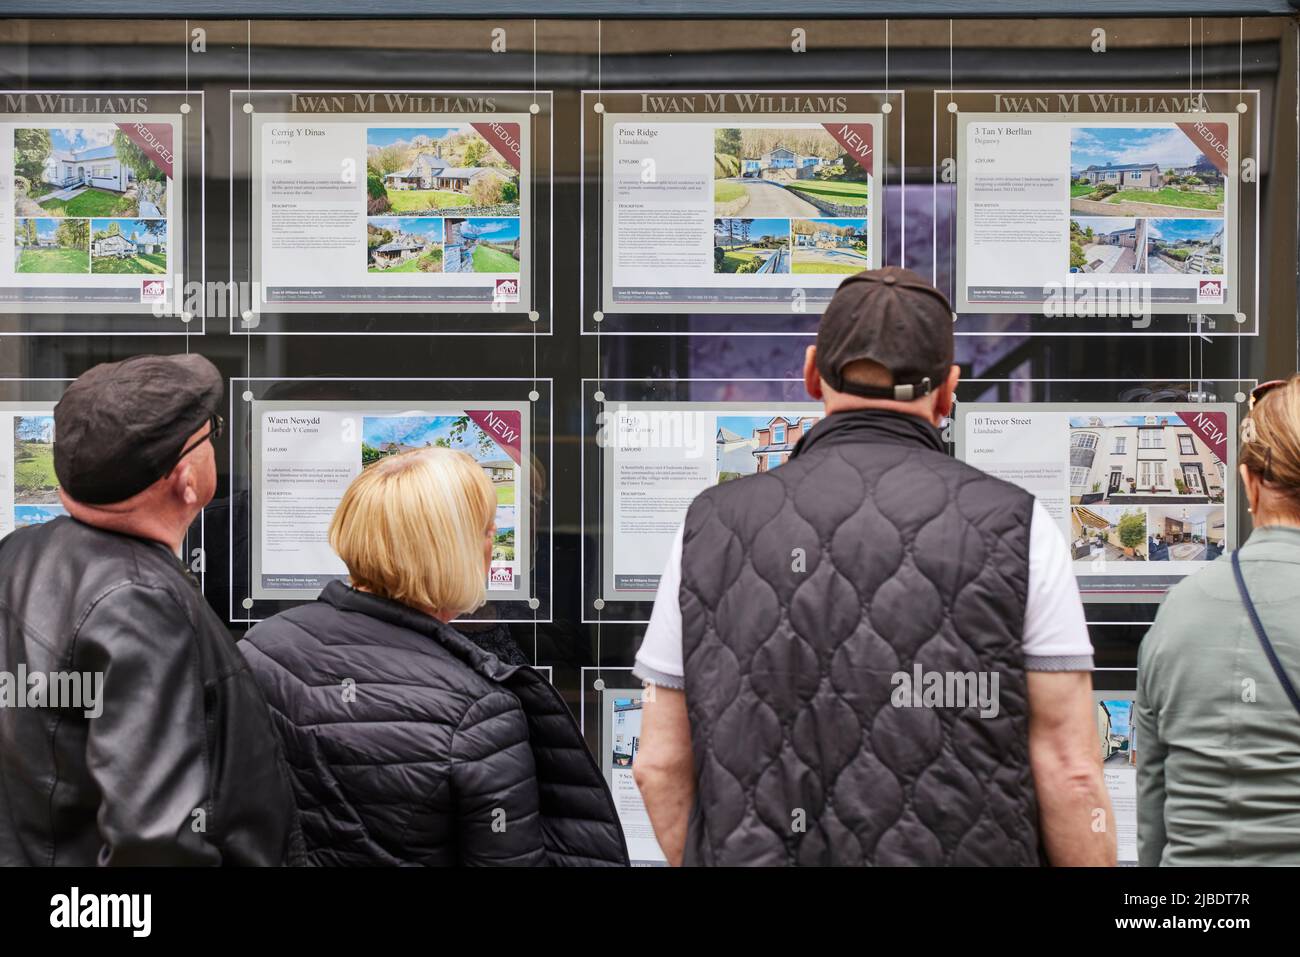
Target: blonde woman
x,y
408,743
1218,715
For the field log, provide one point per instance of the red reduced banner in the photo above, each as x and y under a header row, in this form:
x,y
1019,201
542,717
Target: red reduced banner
x,y
858,140
504,425
504,138
155,139
1211,428
1211,139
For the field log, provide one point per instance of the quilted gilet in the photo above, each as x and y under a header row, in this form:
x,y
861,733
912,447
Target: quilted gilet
x,y
805,590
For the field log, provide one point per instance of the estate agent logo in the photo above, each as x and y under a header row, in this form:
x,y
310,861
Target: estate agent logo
x,y
507,290
153,290
1210,290
502,577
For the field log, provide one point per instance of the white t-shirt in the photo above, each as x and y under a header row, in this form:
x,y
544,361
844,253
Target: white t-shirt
x,y
1055,635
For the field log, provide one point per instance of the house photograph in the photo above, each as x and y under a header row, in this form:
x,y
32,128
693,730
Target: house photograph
x,y
1140,171
384,435
128,246
751,246
423,169
1193,246
1141,460
1110,533
403,244
831,245
86,171
503,540
1107,245
1186,533
52,246
481,244
783,172
749,444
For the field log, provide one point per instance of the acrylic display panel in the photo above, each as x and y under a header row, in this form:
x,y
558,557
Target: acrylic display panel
x,y
392,211
101,229
298,444
1145,493
650,446
732,203
1101,211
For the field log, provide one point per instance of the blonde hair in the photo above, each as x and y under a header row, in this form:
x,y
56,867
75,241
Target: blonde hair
x,y
1270,440
412,527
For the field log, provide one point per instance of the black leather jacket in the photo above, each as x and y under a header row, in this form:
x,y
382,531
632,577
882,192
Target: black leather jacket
x,y
181,766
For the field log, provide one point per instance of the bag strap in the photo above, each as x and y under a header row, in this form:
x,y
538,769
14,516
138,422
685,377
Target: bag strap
x,y
1287,686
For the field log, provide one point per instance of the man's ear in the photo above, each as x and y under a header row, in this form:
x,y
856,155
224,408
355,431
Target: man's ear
x,y
812,379
947,394
182,484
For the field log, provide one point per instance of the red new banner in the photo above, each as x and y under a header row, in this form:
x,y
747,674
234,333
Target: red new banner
x,y
1211,139
858,139
504,426
155,139
1211,428
504,138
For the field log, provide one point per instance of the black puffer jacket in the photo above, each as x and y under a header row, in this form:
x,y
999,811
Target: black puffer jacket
x,y
408,744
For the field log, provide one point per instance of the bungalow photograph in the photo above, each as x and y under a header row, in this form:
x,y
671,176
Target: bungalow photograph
x,y
51,246
417,170
86,171
403,244
483,244
751,246
1190,246
1141,171
831,245
749,444
784,172
128,246
1108,245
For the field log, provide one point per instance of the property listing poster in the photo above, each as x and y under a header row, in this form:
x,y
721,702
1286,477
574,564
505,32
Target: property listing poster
x,y
306,455
738,202
391,201
660,455
1064,195
29,490
621,724
90,201
1119,757
1144,493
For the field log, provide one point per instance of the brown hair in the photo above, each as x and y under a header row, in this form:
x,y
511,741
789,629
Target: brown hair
x,y
1270,440
411,528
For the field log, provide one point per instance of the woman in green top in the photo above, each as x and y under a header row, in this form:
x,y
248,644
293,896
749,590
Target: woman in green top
x,y
1218,738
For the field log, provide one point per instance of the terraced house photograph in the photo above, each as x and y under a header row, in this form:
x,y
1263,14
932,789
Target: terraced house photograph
x,y
1141,460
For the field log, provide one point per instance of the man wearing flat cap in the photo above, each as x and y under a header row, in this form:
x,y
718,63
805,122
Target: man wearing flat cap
x,y
176,761
873,653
